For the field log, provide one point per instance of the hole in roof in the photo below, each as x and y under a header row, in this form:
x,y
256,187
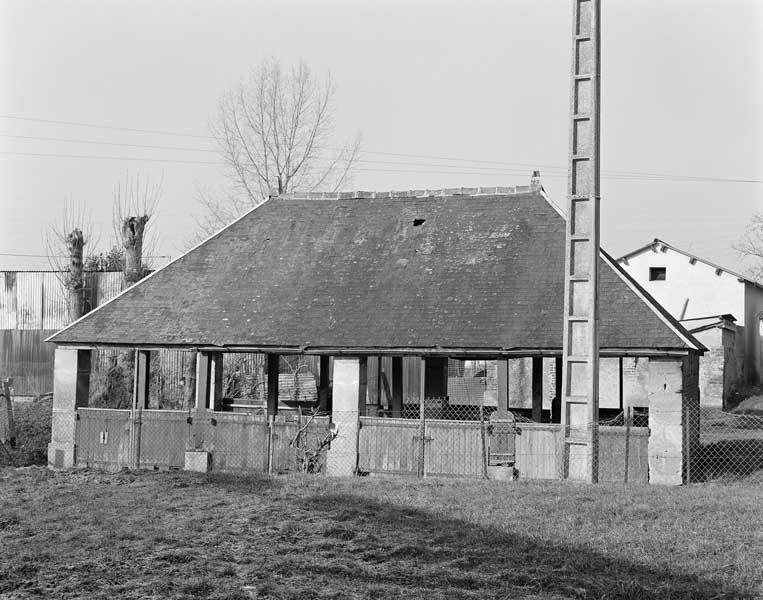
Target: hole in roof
x,y
418,222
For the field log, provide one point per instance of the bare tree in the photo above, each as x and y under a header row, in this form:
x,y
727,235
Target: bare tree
x,y
274,132
65,240
135,201
751,246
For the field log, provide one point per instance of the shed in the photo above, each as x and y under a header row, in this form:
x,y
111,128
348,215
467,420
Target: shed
x,y
460,273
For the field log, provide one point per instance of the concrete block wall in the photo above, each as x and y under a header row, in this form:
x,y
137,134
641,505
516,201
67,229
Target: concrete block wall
x,y
673,418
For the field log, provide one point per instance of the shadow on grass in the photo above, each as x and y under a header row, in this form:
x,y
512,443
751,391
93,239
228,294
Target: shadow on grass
x,y
436,556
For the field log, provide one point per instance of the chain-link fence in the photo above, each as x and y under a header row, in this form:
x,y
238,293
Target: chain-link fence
x,y
729,446
223,441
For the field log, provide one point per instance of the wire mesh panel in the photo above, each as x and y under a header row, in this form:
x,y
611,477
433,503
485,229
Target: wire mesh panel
x,y
537,450
388,445
164,438
237,442
455,448
730,446
102,438
623,454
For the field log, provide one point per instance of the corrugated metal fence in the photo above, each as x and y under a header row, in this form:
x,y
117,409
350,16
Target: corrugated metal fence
x,y
33,306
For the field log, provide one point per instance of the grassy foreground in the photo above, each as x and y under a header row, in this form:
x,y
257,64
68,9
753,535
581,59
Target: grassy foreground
x,y
83,534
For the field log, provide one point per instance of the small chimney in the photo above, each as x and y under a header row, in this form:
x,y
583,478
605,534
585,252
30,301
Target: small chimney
x,y
535,184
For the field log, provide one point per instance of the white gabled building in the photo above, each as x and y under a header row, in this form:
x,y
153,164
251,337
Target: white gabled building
x,y
723,309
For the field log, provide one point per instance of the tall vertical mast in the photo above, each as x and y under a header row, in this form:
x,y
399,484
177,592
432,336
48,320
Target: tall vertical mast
x,y
580,351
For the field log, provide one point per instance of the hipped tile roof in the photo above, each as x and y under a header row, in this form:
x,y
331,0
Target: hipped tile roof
x,y
376,271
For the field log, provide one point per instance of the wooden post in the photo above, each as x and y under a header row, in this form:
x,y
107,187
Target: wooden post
x,y
202,398
7,424
216,381
422,421
142,379
272,406
627,439
537,388
140,398
324,391
556,403
362,386
379,394
397,386
189,390
503,388
482,438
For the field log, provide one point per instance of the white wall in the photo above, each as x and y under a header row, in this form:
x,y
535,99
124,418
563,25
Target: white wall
x,y
708,293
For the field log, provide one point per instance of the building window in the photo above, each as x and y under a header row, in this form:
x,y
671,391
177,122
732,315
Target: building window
x,y
657,273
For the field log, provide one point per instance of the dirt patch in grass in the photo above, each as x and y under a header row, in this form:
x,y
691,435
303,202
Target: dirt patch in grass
x,y
84,534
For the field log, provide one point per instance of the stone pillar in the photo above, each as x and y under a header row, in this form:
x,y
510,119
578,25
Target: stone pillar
x,y
349,398
673,417
71,386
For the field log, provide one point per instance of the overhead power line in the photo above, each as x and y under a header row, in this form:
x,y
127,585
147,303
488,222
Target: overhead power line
x,y
505,167
111,127
435,169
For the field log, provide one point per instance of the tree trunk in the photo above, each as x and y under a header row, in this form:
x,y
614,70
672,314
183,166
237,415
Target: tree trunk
x,y
132,240
190,381
75,279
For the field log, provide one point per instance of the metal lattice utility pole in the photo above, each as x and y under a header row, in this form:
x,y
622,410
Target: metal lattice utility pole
x,y
580,351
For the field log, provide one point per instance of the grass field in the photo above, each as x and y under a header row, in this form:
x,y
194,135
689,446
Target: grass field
x,y
83,534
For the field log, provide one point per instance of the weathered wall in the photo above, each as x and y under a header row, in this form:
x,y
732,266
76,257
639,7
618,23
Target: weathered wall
x,y
718,375
673,417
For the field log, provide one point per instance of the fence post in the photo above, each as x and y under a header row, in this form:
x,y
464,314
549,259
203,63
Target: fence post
x,y
422,421
627,441
686,425
482,437
271,420
8,429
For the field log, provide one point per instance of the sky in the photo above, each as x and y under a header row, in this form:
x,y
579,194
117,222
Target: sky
x,y
444,94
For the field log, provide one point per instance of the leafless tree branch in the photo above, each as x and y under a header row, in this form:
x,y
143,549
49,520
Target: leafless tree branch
x,y
274,134
751,246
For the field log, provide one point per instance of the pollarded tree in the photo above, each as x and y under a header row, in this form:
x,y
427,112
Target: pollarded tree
x,y
65,240
274,132
135,202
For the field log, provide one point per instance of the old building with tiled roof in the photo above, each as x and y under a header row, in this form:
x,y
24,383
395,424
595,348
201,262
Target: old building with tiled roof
x,y
461,273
